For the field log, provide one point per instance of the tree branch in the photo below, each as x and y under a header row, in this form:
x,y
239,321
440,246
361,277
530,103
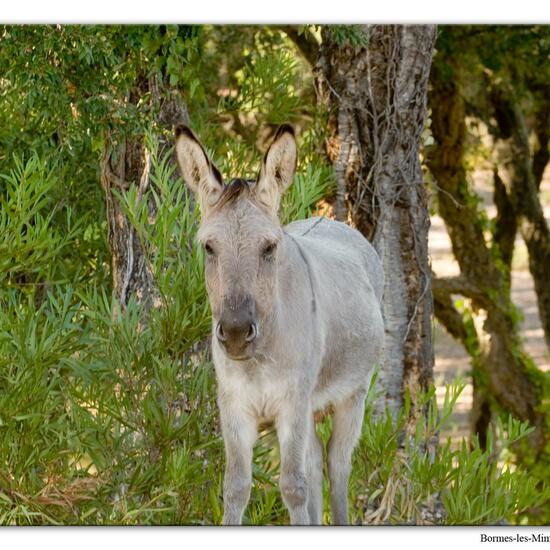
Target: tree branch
x,y
446,312
305,42
506,222
459,284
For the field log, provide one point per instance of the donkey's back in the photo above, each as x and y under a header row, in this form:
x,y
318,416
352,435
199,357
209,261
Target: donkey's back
x,y
333,239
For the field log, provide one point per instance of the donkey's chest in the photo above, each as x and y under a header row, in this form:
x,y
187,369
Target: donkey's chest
x,y
261,395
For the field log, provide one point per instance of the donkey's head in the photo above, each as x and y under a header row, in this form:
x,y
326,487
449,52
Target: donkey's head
x,y
241,234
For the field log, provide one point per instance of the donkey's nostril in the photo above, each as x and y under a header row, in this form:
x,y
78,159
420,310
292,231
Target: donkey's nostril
x,y
219,333
252,332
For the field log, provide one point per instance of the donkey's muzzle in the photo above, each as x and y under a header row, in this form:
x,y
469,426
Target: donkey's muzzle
x,y
237,329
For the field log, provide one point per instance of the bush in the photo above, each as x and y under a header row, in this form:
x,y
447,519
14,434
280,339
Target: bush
x,y
402,475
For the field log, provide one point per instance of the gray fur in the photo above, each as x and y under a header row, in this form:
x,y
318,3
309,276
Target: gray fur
x,y
318,311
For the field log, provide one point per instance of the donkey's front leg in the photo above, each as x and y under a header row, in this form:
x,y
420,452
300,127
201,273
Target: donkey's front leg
x,y
239,434
294,426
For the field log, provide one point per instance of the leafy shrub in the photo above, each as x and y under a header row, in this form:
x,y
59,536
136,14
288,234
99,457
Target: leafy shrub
x,y
401,476
30,241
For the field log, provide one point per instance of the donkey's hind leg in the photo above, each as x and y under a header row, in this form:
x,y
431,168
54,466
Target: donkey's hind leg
x,y
315,479
346,429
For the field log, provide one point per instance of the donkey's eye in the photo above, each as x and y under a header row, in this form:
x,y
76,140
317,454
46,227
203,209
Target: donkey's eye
x,y
208,248
269,250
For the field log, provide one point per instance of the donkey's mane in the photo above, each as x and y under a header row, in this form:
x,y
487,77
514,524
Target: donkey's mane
x,y
234,189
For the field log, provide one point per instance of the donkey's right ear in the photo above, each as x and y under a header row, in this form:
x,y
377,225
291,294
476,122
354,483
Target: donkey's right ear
x,y
202,177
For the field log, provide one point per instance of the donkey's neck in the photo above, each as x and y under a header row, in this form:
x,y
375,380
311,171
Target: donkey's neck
x,y
296,290
292,241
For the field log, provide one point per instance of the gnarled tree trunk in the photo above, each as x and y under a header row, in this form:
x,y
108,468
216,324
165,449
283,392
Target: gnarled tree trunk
x,y
377,95
500,365
126,163
518,175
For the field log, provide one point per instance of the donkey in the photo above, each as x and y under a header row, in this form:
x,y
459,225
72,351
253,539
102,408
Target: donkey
x,y
297,328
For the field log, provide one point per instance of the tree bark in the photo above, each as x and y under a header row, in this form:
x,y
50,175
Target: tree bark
x,y
126,163
501,363
504,235
377,97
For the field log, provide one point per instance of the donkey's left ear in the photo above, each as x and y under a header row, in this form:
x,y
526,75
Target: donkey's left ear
x,y
277,169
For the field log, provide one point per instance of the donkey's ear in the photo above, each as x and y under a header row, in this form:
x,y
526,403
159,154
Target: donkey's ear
x,y
277,168
202,177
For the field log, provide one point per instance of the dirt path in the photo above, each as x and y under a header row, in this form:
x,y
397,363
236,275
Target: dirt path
x,y
450,357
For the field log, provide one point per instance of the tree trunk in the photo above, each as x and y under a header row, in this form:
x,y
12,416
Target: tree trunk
x,y
542,132
126,163
504,235
500,362
377,96
516,172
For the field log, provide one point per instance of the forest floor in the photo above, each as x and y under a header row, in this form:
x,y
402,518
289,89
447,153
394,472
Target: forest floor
x,y
451,359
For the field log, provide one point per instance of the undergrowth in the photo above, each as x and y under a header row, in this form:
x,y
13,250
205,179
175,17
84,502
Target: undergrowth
x,y
107,419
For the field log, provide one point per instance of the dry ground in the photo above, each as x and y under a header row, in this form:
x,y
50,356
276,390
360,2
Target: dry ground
x,y
450,357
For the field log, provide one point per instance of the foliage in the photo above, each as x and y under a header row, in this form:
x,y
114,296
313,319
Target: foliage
x,y
352,35
308,188
30,242
254,82
62,88
409,481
